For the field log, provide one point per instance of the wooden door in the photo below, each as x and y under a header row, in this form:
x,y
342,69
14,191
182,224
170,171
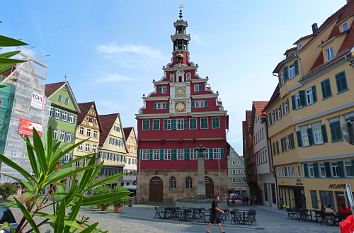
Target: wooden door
x,y
156,189
209,187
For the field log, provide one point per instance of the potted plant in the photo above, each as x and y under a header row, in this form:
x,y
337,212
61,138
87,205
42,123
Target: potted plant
x,y
121,202
100,191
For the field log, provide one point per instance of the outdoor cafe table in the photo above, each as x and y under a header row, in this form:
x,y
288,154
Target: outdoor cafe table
x,y
243,215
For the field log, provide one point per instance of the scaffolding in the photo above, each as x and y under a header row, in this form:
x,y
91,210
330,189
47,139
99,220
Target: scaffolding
x,y
27,81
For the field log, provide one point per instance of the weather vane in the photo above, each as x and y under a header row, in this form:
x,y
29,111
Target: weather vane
x,y
181,6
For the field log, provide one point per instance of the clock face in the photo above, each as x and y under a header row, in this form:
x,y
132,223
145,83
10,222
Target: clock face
x,y
180,106
180,91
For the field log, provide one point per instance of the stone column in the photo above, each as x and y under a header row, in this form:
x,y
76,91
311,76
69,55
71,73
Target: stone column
x,y
201,173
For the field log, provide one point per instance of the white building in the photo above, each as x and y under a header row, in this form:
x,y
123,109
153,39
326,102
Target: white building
x,y
130,168
265,177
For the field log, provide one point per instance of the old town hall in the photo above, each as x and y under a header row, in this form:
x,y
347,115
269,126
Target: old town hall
x,y
180,115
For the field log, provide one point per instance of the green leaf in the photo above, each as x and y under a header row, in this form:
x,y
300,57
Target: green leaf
x,y
8,42
25,184
49,143
108,180
38,148
53,217
64,173
16,167
104,198
4,60
85,178
10,54
73,213
27,216
59,221
5,67
90,228
31,157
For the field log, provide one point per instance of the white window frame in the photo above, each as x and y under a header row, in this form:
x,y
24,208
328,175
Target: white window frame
x,y
64,116
167,154
329,53
347,163
322,170
297,101
317,134
180,124
345,26
197,88
292,72
156,154
55,134
162,89
87,147
94,148
81,130
309,96
193,154
51,112
68,137
80,147
88,132
95,134
217,153
169,124
311,170
145,154
71,118
62,136
180,154
286,107
304,136
57,114
334,167
233,171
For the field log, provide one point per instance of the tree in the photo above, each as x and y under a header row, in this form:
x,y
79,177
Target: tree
x,y
7,189
47,176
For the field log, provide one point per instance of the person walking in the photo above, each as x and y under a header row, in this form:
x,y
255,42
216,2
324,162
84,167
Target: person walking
x,y
215,214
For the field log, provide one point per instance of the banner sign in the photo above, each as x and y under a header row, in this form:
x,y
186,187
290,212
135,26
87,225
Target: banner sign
x,y
37,101
26,127
350,195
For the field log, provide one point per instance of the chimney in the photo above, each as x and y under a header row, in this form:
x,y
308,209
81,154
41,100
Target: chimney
x,y
315,27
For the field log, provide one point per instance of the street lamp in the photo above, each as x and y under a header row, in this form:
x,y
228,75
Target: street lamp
x,y
201,172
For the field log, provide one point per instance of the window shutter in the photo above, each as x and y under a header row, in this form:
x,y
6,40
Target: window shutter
x,y
222,153
324,133
174,154
302,95
323,88
340,169
328,169
286,74
165,124
211,154
310,135
150,154
193,104
154,105
282,144
338,131
185,123
161,154
306,171
296,64
299,138
206,103
315,168
186,154
293,103
167,105
173,123
314,94
333,131
353,166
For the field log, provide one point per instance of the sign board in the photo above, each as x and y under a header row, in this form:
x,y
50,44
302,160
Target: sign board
x,y
37,101
350,195
26,127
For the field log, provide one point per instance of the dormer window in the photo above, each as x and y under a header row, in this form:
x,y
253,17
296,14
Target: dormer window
x,y
330,53
345,26
162,89
197,88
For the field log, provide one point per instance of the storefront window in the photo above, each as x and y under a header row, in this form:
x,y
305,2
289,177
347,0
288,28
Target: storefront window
x,y
327,198
348,167
314,200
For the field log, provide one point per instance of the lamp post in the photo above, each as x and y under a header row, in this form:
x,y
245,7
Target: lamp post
x,y
201,172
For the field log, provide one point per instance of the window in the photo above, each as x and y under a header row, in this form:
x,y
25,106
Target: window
x,y
51,112
234,180
309,96
80,147
167,154
292,71
193,154
66,101
327,198
94,148
180,124
55,134
341,82
90,119
322,169
197,88
156,155
162,89
336,130
88,132
304,136
172,182
206,154
311,170
216,122
189,183
334,169
326,88
180,154
167,124
95,134
156,124
145,155
68,137
57,114
63,116
317,133
199,103
297,101
146,124
348,168
204,123
87,148
233,171
345,26
59,98
330,53
71,118
62,136
314,200
192,123
116,128
217,153
160,105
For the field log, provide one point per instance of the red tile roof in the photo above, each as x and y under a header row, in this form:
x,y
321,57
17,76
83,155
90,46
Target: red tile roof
x,y
84,108
259,106
50,88
127,131
319,61
107,122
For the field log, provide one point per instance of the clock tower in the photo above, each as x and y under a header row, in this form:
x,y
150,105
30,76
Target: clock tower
x,y
180,115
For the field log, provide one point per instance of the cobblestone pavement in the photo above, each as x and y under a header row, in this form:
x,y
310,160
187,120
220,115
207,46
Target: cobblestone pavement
x,y
140,219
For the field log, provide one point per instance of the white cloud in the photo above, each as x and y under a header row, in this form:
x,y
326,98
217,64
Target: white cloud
x,y
113,48
112,78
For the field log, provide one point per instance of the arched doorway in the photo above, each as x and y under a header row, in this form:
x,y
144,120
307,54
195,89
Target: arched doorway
x,y
209,187
156,189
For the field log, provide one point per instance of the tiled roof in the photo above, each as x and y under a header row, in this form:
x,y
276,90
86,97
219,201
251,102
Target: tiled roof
x,y
107,122
272,98
50,88
127,131
84,108
259,106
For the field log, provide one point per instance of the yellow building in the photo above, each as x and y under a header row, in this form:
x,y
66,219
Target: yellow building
x,y
88,126
312,104
112,147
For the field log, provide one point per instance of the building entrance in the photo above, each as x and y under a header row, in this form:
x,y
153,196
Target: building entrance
x,y
209,187
156,189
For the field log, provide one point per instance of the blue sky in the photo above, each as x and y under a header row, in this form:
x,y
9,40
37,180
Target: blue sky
x,y
111,51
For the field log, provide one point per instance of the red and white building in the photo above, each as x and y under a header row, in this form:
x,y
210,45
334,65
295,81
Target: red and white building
x,y
181,114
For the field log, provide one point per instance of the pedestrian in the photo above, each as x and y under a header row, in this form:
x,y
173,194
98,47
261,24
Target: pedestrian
x,y
215,214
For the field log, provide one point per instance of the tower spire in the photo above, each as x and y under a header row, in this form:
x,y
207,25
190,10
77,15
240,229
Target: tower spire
x,y
180,10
